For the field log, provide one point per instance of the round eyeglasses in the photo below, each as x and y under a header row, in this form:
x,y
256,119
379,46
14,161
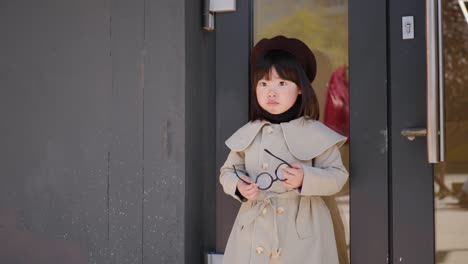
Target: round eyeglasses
x,y
265,180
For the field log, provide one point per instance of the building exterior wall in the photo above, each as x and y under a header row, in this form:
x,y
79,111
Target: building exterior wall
x,y
105,146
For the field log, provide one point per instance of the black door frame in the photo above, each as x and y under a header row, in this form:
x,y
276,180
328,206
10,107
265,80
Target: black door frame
x,y
412,183
369,159
368,117
233,42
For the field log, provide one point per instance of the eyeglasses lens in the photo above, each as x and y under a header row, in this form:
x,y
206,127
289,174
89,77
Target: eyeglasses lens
x,y
264,181
280,172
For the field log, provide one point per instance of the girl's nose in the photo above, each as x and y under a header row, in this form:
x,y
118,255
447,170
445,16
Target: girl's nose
x,y
271,92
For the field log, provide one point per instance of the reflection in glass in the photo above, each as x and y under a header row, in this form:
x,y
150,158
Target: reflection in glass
x,y
323,26
451,177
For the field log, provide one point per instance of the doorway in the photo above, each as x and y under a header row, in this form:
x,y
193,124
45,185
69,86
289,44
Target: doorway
x,y
347,50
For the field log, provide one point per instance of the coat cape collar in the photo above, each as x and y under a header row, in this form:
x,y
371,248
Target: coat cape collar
x,y
305,138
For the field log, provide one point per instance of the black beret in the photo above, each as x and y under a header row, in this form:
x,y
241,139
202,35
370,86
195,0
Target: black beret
x,y
294,46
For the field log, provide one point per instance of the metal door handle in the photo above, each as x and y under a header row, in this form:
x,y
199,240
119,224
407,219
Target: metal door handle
x,y
434,132
435,82
412,133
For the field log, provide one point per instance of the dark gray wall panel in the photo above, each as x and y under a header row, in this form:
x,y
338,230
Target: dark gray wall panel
x,y
126,135
55,84
368,131
97,102
164,132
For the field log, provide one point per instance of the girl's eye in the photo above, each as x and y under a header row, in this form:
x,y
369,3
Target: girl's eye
x,y
282,83
260,83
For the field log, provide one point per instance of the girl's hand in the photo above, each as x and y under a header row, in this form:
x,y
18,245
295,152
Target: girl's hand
x,y
249,191
294,176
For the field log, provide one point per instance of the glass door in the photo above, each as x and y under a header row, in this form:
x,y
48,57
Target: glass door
x,y
429,208
451,176
347,45
323,26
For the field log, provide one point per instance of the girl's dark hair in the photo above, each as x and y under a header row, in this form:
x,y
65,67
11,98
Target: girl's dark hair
x,y
288,68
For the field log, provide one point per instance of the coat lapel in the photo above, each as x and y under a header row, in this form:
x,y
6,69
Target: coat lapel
x,y
306,139
244,136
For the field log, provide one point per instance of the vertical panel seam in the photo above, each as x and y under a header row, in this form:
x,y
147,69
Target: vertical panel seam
x,y
110,128
389,138
142,85
108,202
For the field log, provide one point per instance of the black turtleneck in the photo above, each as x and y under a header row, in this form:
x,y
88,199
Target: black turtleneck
x,y
290,114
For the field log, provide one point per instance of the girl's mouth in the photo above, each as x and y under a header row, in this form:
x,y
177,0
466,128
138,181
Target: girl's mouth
x,y
272,103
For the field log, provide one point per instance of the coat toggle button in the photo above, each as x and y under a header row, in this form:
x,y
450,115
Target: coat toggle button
x,y
276,254
259,250
280,210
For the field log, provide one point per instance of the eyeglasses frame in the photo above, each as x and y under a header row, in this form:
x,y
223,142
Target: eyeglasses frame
x,y
258,176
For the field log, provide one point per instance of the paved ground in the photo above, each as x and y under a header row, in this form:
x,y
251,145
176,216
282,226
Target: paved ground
x,y
451,226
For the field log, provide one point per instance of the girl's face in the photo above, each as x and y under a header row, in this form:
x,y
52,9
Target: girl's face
x,y
276,95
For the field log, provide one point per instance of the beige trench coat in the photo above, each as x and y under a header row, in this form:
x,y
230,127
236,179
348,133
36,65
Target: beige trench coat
x,y
284,226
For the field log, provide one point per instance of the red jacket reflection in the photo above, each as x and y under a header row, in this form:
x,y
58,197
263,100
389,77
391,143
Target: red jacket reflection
x,y
336,114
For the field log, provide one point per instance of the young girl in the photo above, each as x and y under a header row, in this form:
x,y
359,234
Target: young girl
x,y
281,164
